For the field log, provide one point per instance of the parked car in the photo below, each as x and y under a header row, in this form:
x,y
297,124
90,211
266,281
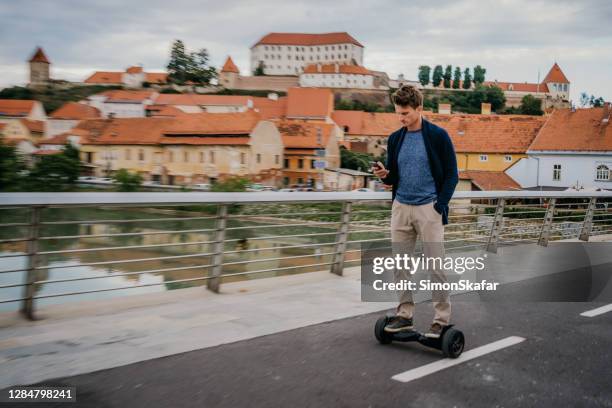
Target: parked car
x,y
287,190
362,190
201,186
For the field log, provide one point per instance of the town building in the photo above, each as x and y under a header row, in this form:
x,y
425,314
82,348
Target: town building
x,y
337,76
230,78
132,77
290,53
68,116
572,150
39,66
122,103
366,132
23,119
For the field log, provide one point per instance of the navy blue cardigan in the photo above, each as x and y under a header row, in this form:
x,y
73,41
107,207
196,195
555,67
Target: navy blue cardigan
x,y
442,162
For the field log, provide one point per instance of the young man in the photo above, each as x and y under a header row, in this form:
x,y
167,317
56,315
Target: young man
x,y
422,170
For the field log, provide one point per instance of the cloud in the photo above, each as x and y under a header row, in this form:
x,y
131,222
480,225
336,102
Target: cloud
x,y
512,39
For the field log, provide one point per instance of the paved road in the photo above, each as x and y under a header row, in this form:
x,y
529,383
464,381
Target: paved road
x,y
564,361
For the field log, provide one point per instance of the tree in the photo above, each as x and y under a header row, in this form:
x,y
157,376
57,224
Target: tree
x,y
56,172
193,67
424,72
437,76
531,105
467,79
457,78
234,184
479,74
126,181
447,76
11,168
355,160
587,101
259,71
489,94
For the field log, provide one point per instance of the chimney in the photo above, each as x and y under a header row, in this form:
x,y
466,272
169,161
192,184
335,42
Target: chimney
x,y
249,104
485,108
606,113
273,96
444,108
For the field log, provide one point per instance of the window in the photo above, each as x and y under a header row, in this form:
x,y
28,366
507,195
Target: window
x,y
258,158
266,48
285,181
484,158
300,164
201,157
141,155
300,180
242,158
603,173
276,159
286,163
556,172
128,154
186,157
212,157
508,158
312,164
170,157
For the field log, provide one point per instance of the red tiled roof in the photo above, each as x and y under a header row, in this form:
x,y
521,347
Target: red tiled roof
x,y
2,125
75,110
201,100
518,86
309,102
268,108
489,133
331,69
134,70
582,130
214,124
298,134
105,77
16,107
60,139
46,152
490,180
229,66
39,56
307,39
156,77
164,110
367,123
556,75
35,126
121,95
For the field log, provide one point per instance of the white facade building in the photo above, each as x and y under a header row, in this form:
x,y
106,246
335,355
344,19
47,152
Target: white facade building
x,y
122,104
337,76
290,53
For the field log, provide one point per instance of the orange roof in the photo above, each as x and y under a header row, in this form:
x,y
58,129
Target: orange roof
x,y
268,108
367,123
518,86
198,128
582,130
46,152
156,77
16,107
331,69
298,134
120,95
134,70
2,125
105,77
39,56
490,180
229,66
201,100
556,75
75,110
164,110
309,102
60,139
37,126
307,39
489,133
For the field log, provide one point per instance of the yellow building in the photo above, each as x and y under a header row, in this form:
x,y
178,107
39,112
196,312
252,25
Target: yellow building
x,y
195,148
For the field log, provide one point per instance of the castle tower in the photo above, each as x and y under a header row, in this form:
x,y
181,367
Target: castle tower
x,y
229,75
39,68
557,83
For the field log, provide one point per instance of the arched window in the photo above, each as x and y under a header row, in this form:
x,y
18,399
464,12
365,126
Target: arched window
x,y
603,173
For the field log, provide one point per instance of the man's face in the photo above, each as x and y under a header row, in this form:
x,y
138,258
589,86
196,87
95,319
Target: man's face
x,y
408,115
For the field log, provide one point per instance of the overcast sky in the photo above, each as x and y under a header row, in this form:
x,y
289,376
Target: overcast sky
x,y
513,40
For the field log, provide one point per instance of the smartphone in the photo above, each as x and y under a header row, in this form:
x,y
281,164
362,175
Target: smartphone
x,y
374,165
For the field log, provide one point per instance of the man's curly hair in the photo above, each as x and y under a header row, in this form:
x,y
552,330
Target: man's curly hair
x,y
407,95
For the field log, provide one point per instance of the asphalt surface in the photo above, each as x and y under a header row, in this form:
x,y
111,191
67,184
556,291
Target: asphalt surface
x,y
564,361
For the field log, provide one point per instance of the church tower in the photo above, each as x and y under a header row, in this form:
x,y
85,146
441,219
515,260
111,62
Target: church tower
x,y
39,68
229,75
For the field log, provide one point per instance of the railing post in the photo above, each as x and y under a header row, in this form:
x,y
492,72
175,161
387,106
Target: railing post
x,y
341,238
217,259
27,307
497,226
587,225
547,224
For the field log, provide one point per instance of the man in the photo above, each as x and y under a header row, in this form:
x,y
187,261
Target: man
x,y
422,170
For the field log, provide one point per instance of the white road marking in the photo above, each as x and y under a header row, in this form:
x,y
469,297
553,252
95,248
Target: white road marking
x,y
598,311
431,368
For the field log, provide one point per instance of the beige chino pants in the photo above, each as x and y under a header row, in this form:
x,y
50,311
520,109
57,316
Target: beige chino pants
x,y
408,222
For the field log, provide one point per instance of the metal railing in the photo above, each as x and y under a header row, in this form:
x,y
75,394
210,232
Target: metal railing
x,y
217,237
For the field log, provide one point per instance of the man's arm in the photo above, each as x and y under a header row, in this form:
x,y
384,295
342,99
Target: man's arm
x,y
391,177
451,176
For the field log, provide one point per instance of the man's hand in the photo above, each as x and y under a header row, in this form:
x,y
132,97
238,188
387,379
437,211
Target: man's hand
x,y
380,171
